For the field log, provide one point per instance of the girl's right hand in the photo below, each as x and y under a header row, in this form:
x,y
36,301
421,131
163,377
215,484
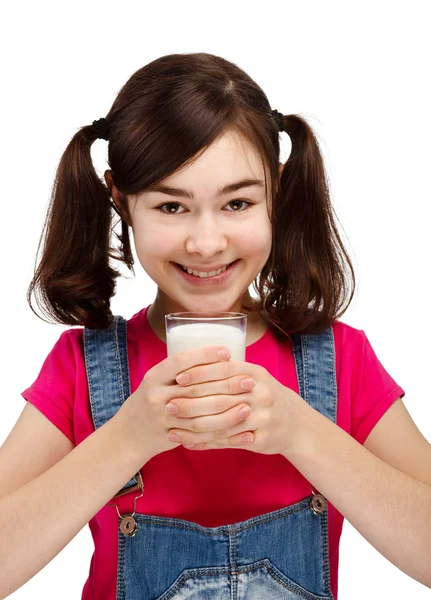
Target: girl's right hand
x,y
144,412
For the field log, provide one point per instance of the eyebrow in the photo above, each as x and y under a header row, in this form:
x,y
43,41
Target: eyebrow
x,y
227,189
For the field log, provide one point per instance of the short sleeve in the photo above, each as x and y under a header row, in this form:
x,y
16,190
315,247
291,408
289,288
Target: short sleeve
x,y
53,391
373,390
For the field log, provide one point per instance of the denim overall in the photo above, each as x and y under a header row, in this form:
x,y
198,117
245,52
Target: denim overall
x,y
280,555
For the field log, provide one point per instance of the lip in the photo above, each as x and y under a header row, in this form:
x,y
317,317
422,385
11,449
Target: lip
x,y
207,269
205,281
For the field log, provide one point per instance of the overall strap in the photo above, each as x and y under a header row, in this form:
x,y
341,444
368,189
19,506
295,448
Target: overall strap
x,y
315,368
316,371
107,367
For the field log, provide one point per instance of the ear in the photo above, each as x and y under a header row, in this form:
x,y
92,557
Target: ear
x,y
116,195
280,169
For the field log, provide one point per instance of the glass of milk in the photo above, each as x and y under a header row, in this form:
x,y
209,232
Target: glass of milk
x,y
190,330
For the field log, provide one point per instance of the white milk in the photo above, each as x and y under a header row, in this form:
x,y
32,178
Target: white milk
x,y
199,335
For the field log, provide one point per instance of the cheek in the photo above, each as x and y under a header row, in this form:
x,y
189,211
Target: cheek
x,y
149,248
256,243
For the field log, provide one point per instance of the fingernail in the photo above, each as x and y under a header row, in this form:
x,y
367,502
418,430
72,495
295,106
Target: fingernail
x,y
244,412
223,353
172,409
173,437
183,378
247,384
245,439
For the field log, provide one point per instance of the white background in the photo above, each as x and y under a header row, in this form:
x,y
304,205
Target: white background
x,y
359,72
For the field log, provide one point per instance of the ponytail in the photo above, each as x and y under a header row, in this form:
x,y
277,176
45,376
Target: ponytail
x,y
74,277
304,281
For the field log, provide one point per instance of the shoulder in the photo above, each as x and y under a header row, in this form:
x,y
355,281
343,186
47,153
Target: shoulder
x,y
72,339
355,352
346,332
67,345
348,339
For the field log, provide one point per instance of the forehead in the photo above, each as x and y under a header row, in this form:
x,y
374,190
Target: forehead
x,y
229,158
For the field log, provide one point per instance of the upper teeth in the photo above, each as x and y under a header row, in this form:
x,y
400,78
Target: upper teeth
x,y
205,273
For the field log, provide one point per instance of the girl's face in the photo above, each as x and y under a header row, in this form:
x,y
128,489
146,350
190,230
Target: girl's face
x,y
205,229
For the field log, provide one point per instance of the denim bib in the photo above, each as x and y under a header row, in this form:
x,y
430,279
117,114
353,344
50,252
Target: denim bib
x,y
280,555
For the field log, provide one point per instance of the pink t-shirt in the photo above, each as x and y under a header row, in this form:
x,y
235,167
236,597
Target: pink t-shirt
x,y
60,392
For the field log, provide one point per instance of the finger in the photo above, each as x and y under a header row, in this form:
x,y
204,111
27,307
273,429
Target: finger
x,y
220,390
246,437
218,370
210,428
193,408
240,440
233,385
169,368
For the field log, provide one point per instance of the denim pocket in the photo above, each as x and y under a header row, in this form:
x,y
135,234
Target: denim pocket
x,y
254,582
264,580
199,584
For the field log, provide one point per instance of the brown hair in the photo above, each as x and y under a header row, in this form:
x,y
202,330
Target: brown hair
x,y
167,112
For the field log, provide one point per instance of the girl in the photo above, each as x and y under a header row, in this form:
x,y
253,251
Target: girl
x,y
193,150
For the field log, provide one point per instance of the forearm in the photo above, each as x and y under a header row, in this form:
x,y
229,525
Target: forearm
x,y
391,510
39,519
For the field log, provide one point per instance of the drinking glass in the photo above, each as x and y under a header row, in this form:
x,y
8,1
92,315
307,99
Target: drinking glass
x,y
190,330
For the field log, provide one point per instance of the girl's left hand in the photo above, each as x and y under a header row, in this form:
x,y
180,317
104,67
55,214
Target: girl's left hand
x,y
214,389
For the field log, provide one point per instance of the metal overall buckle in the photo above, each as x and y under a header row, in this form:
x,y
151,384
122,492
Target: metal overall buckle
x,y
128,525
318,503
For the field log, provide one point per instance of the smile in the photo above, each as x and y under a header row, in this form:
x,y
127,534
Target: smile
x,y
212,278
205,273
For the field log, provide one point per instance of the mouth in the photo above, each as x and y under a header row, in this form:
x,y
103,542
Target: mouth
x,y
206,276
206,280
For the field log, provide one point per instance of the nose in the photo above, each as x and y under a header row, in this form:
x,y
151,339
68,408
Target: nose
x,y
206,238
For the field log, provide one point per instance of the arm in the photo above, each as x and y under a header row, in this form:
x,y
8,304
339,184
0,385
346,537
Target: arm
x,y
70,493
390,509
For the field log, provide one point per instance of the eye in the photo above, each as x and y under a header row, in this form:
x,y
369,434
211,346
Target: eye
x,y
240,202
175,204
